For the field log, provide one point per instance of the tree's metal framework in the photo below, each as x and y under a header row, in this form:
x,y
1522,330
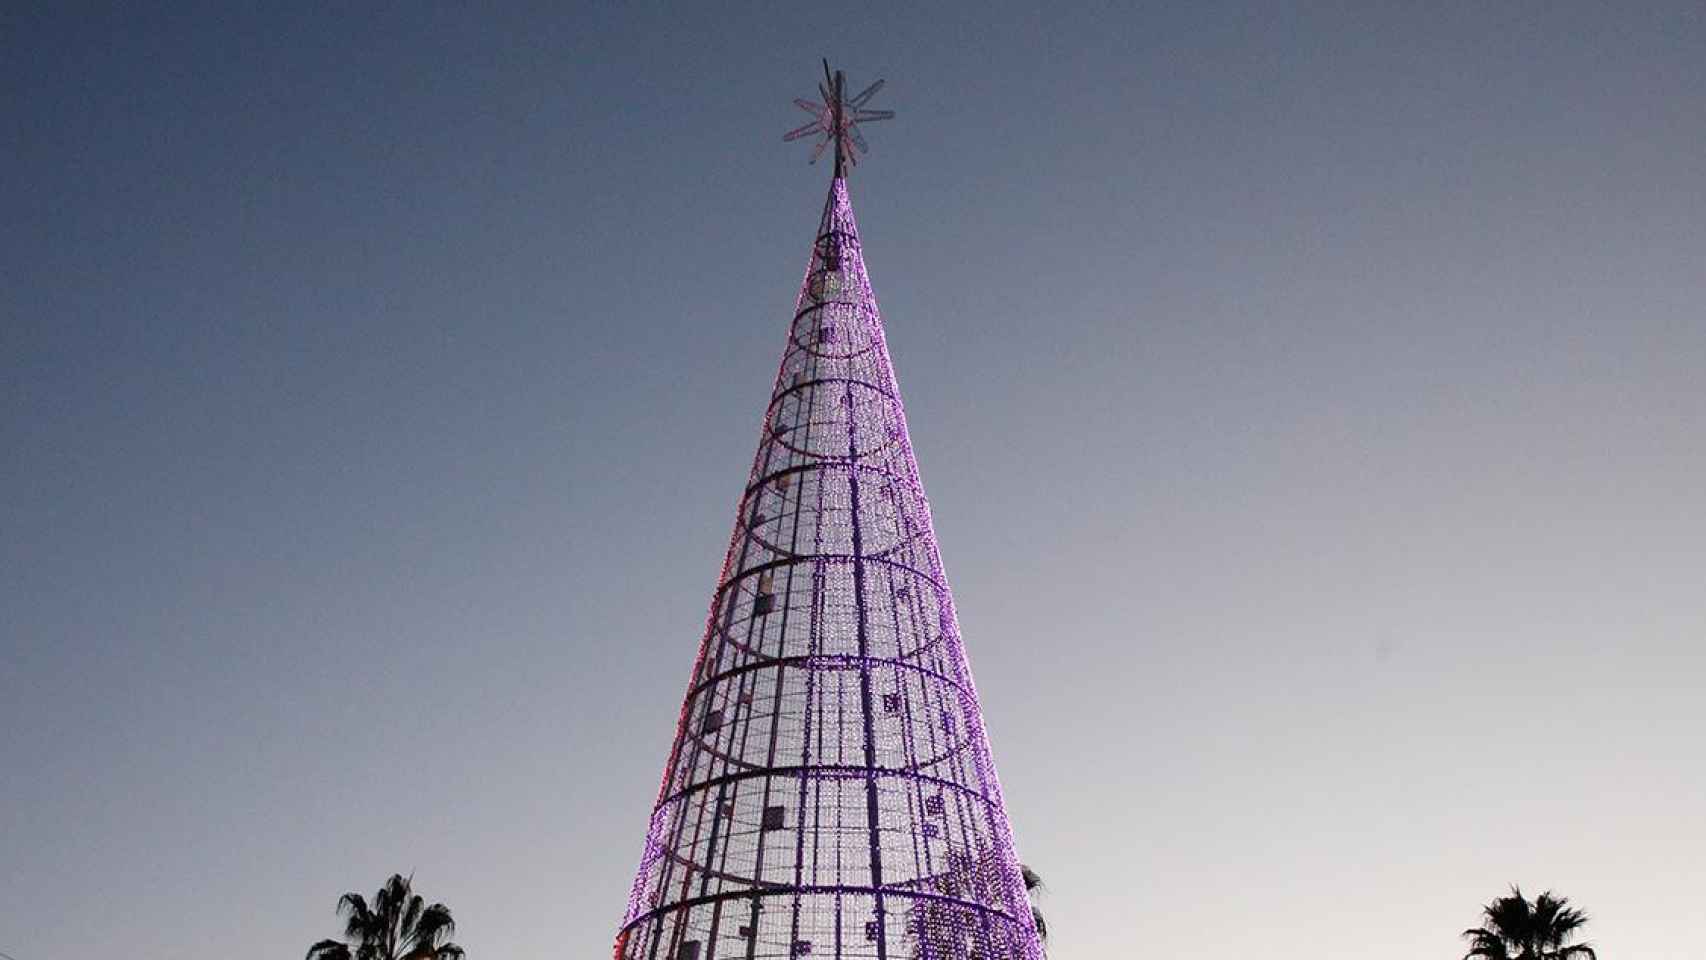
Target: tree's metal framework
x,y
831,792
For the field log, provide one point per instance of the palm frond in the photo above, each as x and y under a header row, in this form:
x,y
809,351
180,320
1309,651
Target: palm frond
x,y
1565,925
328,950
394,892
389,903
1485,944
435,926
360,919
1557,920
1032,879
1512,920
411,916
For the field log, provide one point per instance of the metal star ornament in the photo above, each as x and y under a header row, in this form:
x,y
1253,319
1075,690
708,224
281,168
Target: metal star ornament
x,y
836,120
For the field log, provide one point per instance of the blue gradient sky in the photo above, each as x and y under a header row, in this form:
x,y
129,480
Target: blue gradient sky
x,y
1310,400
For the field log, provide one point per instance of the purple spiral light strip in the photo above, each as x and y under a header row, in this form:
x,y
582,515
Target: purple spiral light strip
x,y
830,791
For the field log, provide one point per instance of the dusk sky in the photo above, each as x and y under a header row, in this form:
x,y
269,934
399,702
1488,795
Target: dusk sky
x,y
1310,400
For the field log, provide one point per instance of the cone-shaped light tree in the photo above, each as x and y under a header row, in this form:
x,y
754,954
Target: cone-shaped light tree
x,y
830,791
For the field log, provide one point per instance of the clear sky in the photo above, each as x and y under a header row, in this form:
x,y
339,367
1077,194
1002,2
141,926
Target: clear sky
x,y
1310,401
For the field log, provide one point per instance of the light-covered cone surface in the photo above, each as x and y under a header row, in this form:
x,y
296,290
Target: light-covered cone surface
x,y
831,792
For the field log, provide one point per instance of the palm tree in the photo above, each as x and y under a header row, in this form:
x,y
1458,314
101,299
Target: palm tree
x,y
397,926
1034,883
1515,929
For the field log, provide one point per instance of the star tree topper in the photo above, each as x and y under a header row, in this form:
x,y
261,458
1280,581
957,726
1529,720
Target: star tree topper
x,y
836,120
